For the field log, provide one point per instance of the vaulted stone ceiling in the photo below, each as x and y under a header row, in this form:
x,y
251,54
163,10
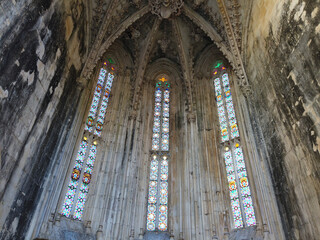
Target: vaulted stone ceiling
x,y
175,29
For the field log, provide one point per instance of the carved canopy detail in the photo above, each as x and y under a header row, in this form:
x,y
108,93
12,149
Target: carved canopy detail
x,y
165,8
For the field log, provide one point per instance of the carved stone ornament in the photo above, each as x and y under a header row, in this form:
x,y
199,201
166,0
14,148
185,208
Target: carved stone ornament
x,y
165,8
164,43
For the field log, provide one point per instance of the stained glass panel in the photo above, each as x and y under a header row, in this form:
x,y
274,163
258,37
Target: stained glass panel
x,y
158,185
152,196
234,196
163,208
72,187
84,189
244,186
104,105
229,105
221,111
165,121
236,170
95,100
157,120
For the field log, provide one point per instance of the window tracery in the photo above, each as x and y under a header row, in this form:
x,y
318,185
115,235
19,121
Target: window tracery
x,y
75,199
157,209
239,190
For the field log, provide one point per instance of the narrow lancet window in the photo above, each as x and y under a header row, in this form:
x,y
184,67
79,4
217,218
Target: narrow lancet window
x,y
157,210
240,194
72,206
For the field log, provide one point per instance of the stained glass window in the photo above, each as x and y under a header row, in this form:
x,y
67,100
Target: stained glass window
x,y
72,187
157,120
84,189
221,111
93,127
157,209
244,186
242,207
95,100
165,120
233,190
229,105
104,105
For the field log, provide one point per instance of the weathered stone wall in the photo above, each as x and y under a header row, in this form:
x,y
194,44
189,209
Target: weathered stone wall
x,y
41,55
282,62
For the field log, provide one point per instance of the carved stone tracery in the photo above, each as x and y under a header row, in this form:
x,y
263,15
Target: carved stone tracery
x,y
166,8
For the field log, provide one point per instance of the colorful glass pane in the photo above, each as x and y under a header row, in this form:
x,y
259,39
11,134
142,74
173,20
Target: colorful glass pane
x,y
221,111
234,196
158,185
229,105
244,186
72,187
157,120
95,100
104,105
152,196
84,189
163,200
165,121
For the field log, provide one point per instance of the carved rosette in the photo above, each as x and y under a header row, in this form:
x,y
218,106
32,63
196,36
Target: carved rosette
x,y
166,8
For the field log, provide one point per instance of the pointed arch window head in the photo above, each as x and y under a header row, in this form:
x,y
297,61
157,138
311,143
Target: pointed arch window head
x,y
239,189
75,197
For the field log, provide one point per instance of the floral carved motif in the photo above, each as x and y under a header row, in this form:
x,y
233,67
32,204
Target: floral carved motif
x,y
166,8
